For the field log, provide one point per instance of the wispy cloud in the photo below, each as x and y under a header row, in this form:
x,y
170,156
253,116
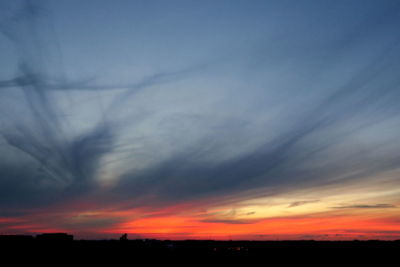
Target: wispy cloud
x,y
228,221
373,206
300,203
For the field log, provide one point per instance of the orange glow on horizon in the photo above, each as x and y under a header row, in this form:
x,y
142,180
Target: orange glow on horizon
x,y
317,217
323,227
335,228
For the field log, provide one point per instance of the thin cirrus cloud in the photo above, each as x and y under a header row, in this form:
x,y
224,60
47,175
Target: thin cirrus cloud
x,y
299,203
255,104
374,206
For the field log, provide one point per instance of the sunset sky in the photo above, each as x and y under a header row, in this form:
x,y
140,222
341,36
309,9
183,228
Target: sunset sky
x,y
219,119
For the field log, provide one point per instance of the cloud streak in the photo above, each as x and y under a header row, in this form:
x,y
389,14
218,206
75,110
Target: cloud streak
x,y
300,203
375,206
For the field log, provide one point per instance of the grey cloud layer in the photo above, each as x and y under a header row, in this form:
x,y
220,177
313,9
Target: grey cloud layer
x,y
245,130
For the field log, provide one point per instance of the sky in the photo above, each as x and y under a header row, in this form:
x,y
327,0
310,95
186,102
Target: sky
x,y
226,120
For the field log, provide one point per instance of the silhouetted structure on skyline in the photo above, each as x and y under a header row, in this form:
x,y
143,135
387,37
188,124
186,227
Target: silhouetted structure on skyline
x,y
124,237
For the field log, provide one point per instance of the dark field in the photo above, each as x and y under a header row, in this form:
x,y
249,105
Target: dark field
x,y
154,250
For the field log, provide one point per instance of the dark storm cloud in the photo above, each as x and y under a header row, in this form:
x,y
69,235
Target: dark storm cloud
x,y
46,163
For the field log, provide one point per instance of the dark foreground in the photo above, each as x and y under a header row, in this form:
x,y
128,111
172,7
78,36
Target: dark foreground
x,y
155,250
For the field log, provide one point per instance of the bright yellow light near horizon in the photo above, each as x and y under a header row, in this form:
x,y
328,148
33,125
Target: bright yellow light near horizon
x,y
326,200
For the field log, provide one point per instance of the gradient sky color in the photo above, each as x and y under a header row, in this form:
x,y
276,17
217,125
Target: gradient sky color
x,y
262,120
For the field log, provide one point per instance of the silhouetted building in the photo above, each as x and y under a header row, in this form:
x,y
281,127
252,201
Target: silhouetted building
x,y
63,237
